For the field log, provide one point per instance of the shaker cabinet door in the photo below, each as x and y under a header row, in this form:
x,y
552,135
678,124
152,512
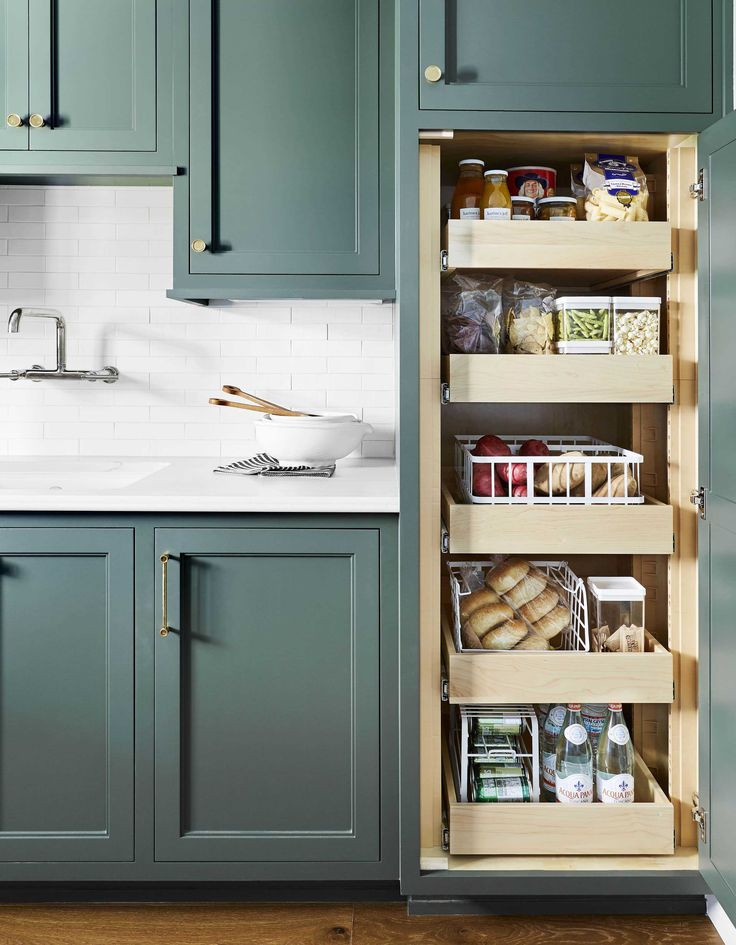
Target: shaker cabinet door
x,y
268,695
717,534
13,75
532,55
93,75
66,694
284,137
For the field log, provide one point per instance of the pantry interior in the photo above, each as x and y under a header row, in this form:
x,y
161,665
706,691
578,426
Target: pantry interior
x,y
647,404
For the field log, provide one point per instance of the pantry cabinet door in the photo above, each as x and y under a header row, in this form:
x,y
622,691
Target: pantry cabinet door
x,y
268,696
13,75
93,75
532,55
66,694
717,536
284,143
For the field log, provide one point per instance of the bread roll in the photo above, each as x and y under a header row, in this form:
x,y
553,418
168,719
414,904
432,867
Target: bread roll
x,y
506,575
506,636
487,617
526,590
471,603
553,622
540,605
471,641
532,641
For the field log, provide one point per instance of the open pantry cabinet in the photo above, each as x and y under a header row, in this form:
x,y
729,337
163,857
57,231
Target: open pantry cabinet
x,y
646,404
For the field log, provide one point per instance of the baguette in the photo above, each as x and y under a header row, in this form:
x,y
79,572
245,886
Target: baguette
x,y
505,636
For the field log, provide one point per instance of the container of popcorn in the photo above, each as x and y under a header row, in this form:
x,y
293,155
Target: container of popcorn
x,y
636,325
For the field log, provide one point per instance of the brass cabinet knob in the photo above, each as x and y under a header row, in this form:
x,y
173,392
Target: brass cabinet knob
x,y
36,120
433,73
198,246
14,120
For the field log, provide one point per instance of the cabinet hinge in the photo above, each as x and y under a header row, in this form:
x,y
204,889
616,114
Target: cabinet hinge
x,y
697,497
698,189
444,393
444,686
700,817
445,838
674,543
674,691
443,260
445,540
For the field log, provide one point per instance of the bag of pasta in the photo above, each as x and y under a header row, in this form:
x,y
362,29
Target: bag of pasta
x,y
615,188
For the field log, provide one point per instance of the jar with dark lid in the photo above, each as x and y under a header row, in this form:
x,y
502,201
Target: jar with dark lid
x,y
557,208
468,190
522,208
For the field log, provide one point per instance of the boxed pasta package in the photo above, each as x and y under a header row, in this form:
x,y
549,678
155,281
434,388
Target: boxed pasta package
x,y
615,188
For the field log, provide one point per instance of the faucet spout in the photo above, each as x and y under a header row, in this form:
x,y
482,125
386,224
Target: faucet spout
x,y
14,324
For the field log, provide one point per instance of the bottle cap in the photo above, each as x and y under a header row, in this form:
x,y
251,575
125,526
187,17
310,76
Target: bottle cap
x,y
497,173
615,706
574,705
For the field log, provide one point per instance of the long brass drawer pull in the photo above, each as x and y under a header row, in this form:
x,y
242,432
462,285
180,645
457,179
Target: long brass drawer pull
x,y
164,631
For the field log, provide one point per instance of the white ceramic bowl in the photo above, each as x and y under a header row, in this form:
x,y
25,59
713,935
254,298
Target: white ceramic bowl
x,y
319,419
310,444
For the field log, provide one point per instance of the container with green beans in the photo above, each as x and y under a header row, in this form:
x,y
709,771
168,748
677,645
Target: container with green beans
x,y
583,318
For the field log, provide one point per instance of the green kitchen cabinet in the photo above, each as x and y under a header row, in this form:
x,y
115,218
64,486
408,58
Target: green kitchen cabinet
x,y
268,696
90,83
284,120
658,57
66,695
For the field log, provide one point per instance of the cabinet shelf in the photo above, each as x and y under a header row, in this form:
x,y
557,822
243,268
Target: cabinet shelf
x,y
593,254
644,827
509,677
559,379
555,529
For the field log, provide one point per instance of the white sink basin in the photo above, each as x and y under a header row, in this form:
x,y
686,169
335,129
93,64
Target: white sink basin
x,y
72,474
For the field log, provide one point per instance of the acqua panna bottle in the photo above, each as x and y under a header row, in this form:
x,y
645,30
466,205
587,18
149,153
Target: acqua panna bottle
x,y
574,762
550,733
615,768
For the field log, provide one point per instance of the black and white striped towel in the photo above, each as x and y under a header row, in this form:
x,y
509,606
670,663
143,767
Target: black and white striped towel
x,y
264,465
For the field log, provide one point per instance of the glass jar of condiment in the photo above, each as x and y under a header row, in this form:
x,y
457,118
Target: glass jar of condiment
x,y
496,202
468,190
557,208
522,208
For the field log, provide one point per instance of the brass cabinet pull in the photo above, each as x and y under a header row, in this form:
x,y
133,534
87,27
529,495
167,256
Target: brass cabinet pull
x,y
36,120
164,631
14,120
433,73
198,246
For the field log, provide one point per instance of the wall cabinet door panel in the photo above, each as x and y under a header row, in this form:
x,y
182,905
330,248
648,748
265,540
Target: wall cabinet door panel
x,y
93,75
653,57
13,75
66,694
268,696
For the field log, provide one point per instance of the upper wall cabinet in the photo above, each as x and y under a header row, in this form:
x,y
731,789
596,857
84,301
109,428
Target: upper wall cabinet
x,y
530,55
289,190
85,83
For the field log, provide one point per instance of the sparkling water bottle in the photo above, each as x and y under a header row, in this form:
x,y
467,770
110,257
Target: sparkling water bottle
x,y
550,734
574,766
615,774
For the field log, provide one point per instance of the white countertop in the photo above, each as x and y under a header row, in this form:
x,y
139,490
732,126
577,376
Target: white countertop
x,y
95,484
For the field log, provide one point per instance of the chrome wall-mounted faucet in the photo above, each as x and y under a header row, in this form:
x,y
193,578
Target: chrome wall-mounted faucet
x,y
107,375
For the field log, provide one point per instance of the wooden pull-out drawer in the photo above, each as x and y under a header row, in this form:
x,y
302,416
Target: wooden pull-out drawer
x,y
644,827
556,529
481,678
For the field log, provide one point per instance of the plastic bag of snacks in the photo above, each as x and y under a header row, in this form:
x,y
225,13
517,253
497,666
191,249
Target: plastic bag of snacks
x,y
529,317
472,315
615,188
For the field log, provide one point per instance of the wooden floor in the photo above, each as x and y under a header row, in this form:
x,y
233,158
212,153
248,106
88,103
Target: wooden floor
x,y
299,924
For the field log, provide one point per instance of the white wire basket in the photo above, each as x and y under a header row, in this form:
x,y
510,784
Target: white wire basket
x,y
525,754
576,637
556,476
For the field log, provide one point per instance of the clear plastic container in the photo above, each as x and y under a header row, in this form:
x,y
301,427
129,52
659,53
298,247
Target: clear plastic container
x,y
583,347
636,324
616,601
583,318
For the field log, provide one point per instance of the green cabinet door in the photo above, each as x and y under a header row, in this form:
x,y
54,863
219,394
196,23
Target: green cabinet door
x,y
267,690
532,55
13,75
284,137
93,74
66,694
717,537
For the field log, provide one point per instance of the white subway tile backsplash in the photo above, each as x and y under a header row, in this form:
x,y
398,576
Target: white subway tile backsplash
x,y
103,255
